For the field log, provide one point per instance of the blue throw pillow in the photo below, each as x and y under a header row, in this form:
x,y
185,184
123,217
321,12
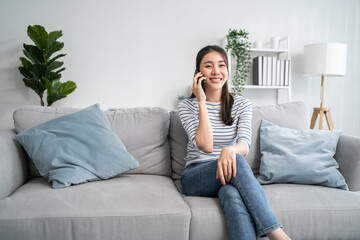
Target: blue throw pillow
x,y
299,156
77,148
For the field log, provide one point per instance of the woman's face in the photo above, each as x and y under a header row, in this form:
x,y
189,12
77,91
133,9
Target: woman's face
x,y
214,68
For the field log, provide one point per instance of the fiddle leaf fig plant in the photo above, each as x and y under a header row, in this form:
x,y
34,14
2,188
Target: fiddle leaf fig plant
x,y
239,46
41,71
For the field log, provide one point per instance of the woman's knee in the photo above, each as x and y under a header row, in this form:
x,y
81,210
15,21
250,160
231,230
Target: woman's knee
x,y
241,163
230,196
228,191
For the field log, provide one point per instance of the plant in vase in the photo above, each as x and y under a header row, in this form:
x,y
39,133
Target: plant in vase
x,y
40,70
239,46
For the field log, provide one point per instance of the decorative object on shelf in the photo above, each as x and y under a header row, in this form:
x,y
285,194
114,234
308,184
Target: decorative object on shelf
x,y
38,68
239,46
324,59
257,44
274,42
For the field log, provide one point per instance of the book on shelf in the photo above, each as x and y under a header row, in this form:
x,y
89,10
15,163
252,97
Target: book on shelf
x,y
269,71
265,70
273,71
282,71
269,62
257,70
277,72
287,67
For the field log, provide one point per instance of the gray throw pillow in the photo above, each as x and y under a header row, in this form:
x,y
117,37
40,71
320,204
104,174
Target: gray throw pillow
x,y
77,148
299,156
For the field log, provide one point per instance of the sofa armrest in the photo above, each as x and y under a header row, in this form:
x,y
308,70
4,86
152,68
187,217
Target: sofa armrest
x,y
13,164
348,156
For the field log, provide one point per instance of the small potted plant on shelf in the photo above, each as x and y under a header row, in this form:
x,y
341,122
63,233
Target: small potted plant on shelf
x,y
40,70
238,46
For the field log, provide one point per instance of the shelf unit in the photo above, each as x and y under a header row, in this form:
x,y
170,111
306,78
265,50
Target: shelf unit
x,y
283,53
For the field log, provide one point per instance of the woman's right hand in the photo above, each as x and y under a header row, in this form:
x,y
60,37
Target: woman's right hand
x,y
197,89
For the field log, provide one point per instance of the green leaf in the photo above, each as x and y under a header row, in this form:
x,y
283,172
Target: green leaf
x,y
66,88
54,58
38,35
57,46
60,70
32,68
25,72
57,90
54,65
53,76
52,37
48,85
33,53
35,85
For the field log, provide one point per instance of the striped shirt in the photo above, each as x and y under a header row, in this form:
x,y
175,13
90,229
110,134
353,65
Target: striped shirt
x,y
223,135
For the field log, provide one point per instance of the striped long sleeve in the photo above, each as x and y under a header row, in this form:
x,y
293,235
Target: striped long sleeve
x,y
223,135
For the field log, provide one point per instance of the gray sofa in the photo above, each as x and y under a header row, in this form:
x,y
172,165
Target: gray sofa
x,y
147,203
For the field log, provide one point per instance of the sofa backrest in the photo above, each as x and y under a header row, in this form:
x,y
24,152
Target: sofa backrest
x,y
144,132
293,115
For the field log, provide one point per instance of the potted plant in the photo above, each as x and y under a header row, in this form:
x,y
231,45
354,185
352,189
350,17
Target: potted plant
x,y
40,70
239,46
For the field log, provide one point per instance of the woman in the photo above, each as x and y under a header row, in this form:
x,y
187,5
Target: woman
x,y
218,125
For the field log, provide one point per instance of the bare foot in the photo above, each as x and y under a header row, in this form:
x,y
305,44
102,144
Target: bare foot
x,y
278,234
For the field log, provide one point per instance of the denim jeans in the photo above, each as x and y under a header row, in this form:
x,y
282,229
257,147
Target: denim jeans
x,y
247,211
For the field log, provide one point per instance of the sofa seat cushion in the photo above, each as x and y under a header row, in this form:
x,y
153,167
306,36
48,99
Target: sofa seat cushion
x,y
126,207
207,218
305,211
315,212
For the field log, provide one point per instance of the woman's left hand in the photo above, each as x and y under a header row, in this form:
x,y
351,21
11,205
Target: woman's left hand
x,y
226,165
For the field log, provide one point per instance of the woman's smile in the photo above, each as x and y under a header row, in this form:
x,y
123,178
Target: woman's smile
x,y
215,80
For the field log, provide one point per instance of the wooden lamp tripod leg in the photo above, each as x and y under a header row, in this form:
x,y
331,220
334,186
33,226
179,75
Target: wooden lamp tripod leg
x,y
322,111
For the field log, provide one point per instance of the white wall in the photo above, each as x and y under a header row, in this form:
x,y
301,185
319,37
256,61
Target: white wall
x,y
142,53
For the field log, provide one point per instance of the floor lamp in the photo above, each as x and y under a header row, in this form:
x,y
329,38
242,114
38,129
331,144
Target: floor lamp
x,y
325,60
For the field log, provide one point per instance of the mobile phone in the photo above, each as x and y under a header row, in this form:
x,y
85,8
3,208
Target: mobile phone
x,y
203,83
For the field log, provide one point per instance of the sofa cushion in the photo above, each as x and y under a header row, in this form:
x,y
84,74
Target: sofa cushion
x,y
293,115
299,156
315,212
131,206
207,218
145,134
178,141
77,148
305,211
143,131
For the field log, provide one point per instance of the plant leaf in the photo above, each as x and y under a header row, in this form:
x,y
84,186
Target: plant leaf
x,y
57,90
33,53
60,70
52,37
66,88
35,85
53,76
25,72
54,65
38,35
57,46
58,56
48,85
32,68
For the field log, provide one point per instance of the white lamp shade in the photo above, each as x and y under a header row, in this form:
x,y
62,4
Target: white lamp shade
x,y
325,59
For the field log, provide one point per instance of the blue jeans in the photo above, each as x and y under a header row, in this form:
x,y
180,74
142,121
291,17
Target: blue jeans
x,y
247,211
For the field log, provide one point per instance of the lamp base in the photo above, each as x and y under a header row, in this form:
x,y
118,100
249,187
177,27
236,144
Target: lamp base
x,y
322,112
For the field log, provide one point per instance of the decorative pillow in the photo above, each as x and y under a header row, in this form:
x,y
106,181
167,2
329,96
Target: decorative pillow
x,y
299,156
77,148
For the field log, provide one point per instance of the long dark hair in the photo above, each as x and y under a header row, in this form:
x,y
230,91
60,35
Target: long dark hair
x,y
227,99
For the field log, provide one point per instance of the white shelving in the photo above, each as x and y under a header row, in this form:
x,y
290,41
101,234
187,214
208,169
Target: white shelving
x,y
283,53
